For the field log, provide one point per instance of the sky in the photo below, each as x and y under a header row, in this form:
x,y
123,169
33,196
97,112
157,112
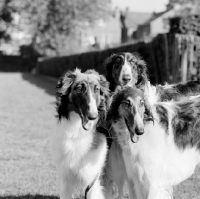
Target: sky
x,y
141,5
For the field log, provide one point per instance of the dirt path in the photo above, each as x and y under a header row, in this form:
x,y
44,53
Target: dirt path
x,y
26,122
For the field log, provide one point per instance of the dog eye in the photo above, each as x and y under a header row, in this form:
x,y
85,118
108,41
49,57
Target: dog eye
x,y
132,62
141,103
126,103
118,61
96,89
79,89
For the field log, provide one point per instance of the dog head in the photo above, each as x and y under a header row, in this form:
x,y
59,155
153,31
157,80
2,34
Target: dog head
x,y
104,93
125,69
128,111
80,92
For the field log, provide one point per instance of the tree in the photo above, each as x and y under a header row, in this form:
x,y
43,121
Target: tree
x,y
6,19
54,23
188,19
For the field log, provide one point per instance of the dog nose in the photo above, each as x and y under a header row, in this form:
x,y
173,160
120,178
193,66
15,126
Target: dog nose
x,y
126,78
139,131
92,116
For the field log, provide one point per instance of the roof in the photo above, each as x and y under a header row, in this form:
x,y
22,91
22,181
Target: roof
x,y
133,19
155,16
185,10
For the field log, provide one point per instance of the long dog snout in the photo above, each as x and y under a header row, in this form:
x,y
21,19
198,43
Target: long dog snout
x,y
132,112
139,125
139,131
126,78
92,115
135,125
93,108
127,113
90,112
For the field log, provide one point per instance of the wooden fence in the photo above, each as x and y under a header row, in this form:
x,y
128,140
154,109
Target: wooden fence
x,y
170,58
189,51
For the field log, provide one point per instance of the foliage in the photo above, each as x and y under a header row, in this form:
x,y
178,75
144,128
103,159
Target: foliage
x,y
6,19
28,51
53,24
188,20
185,25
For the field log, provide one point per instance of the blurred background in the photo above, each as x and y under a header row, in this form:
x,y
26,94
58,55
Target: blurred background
x,y
40,39
32,31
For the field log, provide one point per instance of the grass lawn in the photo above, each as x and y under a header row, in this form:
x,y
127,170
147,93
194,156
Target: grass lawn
x,y
26,123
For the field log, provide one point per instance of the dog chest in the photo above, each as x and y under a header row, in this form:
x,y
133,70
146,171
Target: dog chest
x,y
157,159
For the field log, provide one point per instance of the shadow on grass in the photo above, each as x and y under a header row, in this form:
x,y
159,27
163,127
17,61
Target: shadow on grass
x,y
29,197
42,82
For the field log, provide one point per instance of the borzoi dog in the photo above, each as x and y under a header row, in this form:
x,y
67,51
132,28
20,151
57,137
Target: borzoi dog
x,y
169,149
129,69
80,150
122,69
125,69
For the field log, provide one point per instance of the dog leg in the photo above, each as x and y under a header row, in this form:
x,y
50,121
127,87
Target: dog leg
x,y
119,169
131,188
120,185
66,183
115,172
160,193
109,189
96,191
65,190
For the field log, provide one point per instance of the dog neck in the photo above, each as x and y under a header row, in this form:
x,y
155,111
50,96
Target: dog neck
x,y
121,133
74,128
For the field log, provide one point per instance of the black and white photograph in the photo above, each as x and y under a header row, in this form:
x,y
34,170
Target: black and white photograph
x,y
100,99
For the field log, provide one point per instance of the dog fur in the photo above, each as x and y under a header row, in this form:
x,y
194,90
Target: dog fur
x,y
127,102
115,167
168,151
79,150
133,68
125,69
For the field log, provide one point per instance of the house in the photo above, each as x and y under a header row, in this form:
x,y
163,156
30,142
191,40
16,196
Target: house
x,y
130,22
102,34
159,22
116,29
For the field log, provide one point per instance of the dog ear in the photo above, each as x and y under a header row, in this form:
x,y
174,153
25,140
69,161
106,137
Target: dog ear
x,y
64,83
104,86
62,91
108,64
141,70
104,96
148,115
104,89
112,114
